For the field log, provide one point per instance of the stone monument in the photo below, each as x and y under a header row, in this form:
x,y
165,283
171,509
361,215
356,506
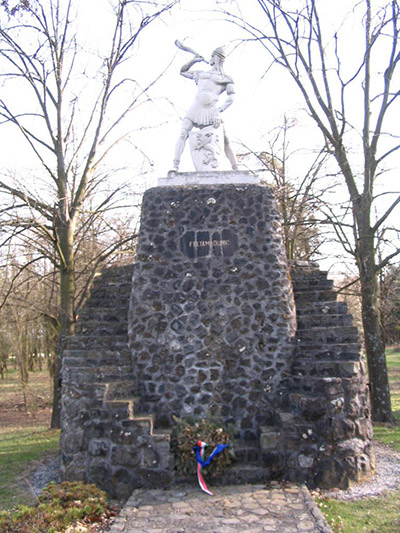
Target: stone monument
x,y
218,324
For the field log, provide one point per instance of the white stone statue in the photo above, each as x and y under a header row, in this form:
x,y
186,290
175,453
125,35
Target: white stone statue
x,y
209,136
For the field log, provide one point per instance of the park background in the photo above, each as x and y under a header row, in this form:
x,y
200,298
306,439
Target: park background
x,y
267,106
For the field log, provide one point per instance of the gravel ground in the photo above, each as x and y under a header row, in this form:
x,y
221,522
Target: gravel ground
x,y
41,473
386,478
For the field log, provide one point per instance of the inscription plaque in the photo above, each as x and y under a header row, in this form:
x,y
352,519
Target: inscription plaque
x,y
207,243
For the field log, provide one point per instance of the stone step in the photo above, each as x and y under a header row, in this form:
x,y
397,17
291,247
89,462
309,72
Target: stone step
x,y
112,278
118,411
323,320
321,308
311,408
97,362
163,434
107,301
75,358
101,327
128,431
338,351
120,391
96,374
124,409
241,474
108,342
247,453
103,313
312,284
329,335
120,298
343,430
93,390
92,353
306,270
269,438
313,296
300,433
117,272
144,424
107,287
110,285
327,387
338,368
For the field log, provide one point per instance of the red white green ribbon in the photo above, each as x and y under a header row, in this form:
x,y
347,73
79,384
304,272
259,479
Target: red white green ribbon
x,y
202,461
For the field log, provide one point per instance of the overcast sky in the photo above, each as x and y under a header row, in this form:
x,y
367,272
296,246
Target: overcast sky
x,y
262,98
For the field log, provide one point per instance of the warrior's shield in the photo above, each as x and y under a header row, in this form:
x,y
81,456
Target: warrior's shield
x,y
206,147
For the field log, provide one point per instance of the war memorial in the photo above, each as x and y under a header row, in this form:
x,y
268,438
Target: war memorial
x,y
212,320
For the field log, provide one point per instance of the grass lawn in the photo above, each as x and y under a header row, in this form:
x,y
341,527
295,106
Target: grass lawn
x,y
17,451
371,515
375,514
24,434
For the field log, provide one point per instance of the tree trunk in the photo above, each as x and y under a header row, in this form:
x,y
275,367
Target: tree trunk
x,y
374,345
67,315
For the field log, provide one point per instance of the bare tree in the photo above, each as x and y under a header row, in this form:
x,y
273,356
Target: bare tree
x,y
24,316
351,104
389,295
299,198
39,52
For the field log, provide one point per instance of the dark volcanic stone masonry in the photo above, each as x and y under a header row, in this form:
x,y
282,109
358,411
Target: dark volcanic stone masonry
x,y
212,312
218,324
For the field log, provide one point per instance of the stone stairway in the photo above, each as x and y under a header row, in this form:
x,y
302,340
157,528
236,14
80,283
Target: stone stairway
x,y
322,430
324,414
124,450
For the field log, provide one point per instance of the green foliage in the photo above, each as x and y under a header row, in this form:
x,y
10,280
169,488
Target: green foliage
x,y
188,432
59,507
369,516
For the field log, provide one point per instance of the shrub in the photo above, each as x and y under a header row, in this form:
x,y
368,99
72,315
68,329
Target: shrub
x,y
188,432
59,507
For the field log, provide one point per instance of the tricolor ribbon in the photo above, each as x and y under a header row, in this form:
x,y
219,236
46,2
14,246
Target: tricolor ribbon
x,y
200,450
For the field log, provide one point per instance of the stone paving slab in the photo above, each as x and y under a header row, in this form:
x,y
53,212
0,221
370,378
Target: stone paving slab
x,y
233,508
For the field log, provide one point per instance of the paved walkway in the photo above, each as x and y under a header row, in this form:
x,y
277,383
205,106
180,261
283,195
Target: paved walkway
x,y
234,508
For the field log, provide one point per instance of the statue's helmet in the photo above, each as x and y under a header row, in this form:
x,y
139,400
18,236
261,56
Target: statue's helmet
x,y
220,52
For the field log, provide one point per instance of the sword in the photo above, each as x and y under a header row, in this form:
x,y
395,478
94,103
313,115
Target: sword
x,y
185,48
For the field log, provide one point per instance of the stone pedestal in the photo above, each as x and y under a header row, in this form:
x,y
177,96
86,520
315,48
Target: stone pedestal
x,y
224,177
212,313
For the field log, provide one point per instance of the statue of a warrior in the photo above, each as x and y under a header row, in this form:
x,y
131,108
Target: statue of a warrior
x,y
206,109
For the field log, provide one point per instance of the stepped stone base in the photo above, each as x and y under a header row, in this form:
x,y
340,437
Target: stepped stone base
x,y
212,330
102,441
325,414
